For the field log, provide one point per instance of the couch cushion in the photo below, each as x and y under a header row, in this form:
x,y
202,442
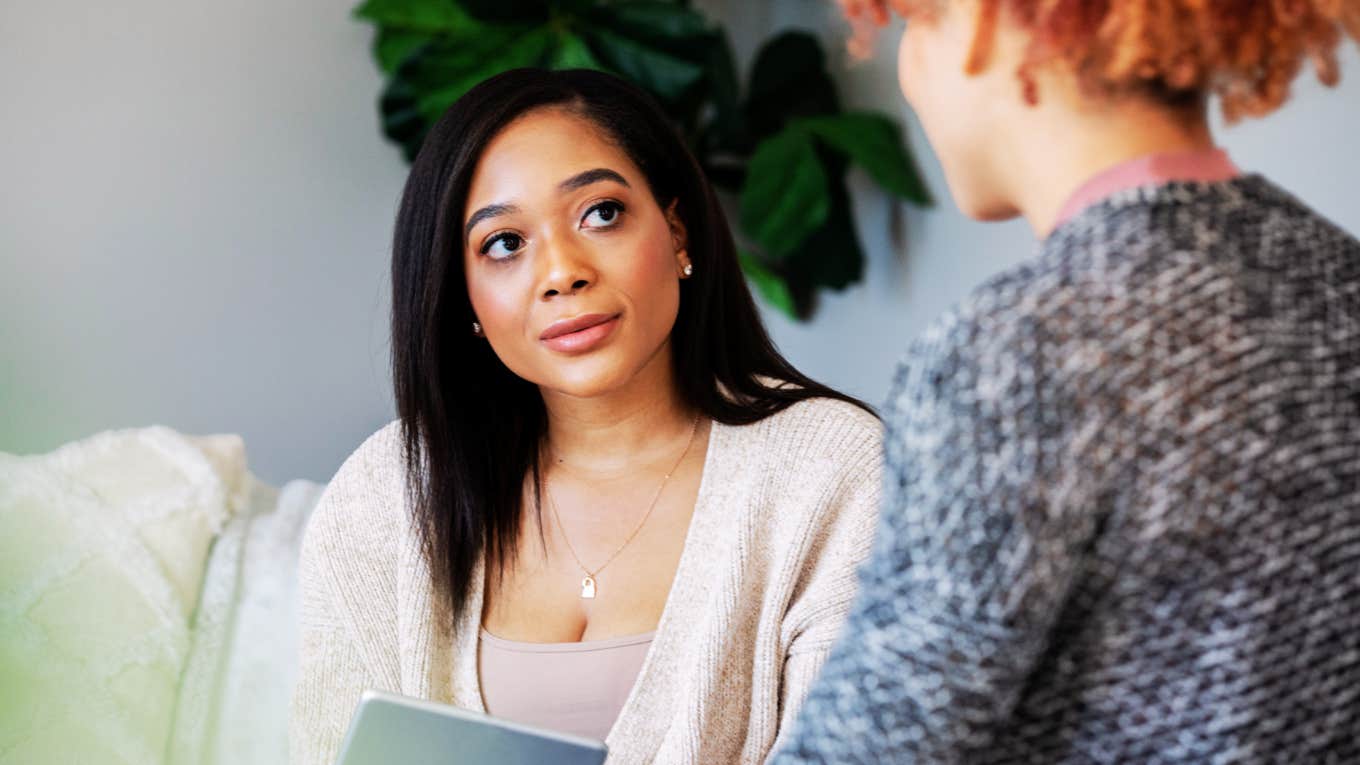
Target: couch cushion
x,y
233,705
103,545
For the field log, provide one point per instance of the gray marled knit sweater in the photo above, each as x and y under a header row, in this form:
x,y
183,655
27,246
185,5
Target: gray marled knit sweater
x,y
1122,504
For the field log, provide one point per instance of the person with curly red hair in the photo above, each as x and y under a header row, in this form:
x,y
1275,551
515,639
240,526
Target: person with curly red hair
x,y
1121,516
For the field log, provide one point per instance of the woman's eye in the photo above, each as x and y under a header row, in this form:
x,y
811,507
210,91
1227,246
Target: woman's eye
x,y
502,246
603,215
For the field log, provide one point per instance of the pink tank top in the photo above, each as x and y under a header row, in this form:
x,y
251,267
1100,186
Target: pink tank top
x,y
575,688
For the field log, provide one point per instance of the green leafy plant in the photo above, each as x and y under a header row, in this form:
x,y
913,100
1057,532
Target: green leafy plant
x,y
782,145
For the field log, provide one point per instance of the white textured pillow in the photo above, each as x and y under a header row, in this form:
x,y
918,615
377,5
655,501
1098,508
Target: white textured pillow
x,y
103,546
236,687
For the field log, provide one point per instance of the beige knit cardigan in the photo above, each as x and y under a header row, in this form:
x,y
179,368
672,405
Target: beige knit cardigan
x,y
785,513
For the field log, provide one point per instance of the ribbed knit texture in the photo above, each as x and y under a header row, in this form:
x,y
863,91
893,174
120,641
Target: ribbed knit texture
x,y
785,513
1122,504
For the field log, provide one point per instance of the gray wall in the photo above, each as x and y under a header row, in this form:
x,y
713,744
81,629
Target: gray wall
x,y
195,205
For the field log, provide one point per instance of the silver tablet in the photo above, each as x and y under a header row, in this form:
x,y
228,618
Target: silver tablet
x,y
395,729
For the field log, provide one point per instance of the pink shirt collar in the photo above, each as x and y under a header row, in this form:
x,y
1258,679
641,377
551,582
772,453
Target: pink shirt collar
x,y
1210,166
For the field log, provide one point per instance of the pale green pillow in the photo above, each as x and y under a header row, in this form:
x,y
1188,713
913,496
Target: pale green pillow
x,y
103,545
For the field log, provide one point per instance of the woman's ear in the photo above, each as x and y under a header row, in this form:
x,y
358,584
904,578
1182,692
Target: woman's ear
x,y
679,238
679,235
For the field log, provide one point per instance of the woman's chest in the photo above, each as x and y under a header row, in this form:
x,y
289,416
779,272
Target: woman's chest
x,y
590,573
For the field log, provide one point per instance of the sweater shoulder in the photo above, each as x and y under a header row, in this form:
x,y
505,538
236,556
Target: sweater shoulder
x,y
362,511
809,465
823,428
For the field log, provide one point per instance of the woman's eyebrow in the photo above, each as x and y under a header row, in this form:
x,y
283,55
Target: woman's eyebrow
x,y
490,211
591,176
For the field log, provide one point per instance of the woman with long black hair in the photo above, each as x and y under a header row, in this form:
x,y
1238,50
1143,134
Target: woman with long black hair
x,y
609,506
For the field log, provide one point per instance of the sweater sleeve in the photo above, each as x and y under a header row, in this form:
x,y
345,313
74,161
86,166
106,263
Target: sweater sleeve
x,y
332,672
840,542
342,554
972,563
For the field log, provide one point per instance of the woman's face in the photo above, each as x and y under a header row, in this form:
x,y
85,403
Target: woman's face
x,y
572,267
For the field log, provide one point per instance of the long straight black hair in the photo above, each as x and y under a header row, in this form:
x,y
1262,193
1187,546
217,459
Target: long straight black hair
x,y
472,430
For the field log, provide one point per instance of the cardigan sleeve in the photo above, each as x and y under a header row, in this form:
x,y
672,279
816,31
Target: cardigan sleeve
x,y
336,566
332,674
972,563
839,542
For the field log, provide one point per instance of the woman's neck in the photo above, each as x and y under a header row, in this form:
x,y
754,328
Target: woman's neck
x,y
609,436
1080,142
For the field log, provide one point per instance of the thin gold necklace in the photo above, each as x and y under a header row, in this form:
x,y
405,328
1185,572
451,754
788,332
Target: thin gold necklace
x,y
588,585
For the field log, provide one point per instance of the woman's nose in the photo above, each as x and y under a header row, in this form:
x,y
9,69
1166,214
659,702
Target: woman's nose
x,y
566,269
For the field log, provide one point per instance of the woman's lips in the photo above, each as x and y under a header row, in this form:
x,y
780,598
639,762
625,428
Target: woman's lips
x,y
580,334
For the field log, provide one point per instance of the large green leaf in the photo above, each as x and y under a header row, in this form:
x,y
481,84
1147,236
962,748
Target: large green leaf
x,y
660,73
401,118
447,69
417,15
768,284
656,21
788,80
508,11
436,75
785,197
572,52
727,130
392,46
831,256
873,142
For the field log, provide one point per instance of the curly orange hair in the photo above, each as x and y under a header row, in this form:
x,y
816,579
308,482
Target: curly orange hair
x,y
1248,52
